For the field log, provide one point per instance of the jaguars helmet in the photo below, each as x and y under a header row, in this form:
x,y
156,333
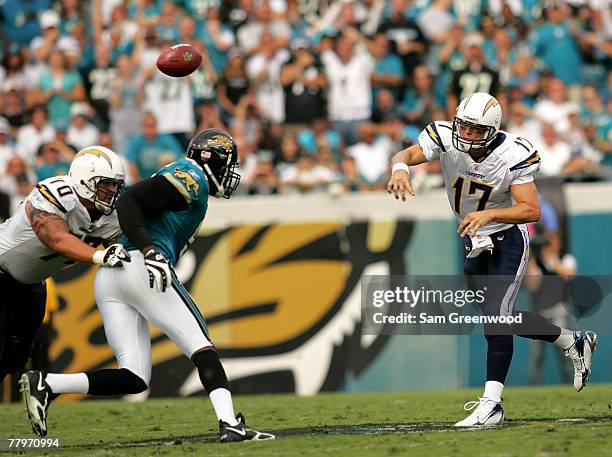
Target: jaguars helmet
x,y
482,112
216,152
90,169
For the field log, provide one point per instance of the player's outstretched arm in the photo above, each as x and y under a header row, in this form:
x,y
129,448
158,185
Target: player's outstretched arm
x,y
54,233
400,183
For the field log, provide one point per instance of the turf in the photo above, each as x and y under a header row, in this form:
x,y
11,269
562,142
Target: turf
x,y
542,422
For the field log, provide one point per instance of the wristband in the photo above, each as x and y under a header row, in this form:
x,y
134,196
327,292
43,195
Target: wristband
x,y
400,166
98,257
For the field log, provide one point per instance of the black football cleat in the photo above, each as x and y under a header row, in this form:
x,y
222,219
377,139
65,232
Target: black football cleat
x,y
37,397
235,433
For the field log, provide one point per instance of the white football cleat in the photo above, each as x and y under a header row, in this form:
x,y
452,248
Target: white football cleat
x,y
581,353
487,413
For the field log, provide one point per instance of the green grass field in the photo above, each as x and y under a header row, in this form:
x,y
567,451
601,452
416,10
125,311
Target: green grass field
x,y
542,422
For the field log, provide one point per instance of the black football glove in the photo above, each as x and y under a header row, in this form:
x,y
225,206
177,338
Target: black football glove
x,y
160,272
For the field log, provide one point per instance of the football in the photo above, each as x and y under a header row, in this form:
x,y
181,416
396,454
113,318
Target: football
x,y
179,60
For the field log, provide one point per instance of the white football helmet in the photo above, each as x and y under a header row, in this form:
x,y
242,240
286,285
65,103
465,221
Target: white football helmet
x,y
482,112
97,175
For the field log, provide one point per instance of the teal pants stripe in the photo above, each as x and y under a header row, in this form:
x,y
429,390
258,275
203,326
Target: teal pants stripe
x,y
193,308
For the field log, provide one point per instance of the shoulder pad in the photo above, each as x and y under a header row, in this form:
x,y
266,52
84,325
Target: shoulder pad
x,y
58,192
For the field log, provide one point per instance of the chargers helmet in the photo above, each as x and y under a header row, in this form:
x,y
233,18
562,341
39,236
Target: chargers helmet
x,y
92,167
216,152
482,112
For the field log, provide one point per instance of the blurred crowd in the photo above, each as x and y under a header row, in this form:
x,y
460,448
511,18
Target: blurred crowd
x,y
317,93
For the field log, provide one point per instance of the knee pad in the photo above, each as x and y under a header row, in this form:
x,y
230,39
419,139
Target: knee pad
x,y
210,370
115,382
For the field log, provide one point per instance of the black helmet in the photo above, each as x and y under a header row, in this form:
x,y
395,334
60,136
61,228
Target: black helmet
x,y
216,152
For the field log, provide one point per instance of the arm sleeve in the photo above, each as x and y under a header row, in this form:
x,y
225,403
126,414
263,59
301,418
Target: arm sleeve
x,y
137,203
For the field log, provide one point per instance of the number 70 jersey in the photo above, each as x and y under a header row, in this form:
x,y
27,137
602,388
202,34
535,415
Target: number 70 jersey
x,y
473,186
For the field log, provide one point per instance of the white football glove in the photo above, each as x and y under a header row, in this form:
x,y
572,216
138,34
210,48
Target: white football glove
x,y
112,256
160,272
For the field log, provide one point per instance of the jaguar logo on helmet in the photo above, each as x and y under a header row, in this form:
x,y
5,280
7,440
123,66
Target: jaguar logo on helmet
x,y
98,176
216,152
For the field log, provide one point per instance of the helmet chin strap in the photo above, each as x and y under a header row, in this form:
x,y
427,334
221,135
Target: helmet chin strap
x,y
220,189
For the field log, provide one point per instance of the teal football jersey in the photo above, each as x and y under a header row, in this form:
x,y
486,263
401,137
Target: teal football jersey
x,y
173,231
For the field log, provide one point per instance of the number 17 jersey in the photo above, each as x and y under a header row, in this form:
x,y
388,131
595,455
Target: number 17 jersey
x,y
476,186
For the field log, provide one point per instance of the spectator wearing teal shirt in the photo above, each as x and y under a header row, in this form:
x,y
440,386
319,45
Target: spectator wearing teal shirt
x,y
59,88
307,138
555,44
217,37
148,151
54,160
388,70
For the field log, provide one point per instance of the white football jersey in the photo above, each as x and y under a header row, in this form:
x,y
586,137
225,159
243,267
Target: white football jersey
x,y
473,186
24,256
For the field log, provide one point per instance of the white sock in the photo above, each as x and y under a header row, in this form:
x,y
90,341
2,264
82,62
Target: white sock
x,y
68,383
222,403
493,390
565,340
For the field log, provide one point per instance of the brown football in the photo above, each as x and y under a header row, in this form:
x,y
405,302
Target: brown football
x,y
179,60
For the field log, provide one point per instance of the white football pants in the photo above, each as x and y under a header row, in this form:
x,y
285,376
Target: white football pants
x,y
127,303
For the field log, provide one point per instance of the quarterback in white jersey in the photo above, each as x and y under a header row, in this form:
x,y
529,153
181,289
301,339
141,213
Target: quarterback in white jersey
x,y
58,224
489,178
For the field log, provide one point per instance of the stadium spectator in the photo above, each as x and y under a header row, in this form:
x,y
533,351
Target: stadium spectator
x,y
554,107
149,150
521,123
318,130
420,99
7,148
204,79
234,83
51,38
350,176
16,182
12,70
58,88
410,43
210,117
474,77
31,136
170,100
436,20
385,107
306,176
371,155
218,39
53,159
97,80
125,103
388,70
14,107
167,23
265,180
249,35
81,133
263,70
348,69
555,43
555,153
304,83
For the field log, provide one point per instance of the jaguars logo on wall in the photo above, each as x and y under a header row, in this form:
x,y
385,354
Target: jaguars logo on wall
x,y
282,303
